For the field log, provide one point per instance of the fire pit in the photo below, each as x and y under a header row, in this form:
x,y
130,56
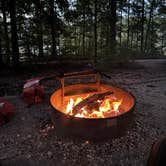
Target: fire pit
x,y
93,108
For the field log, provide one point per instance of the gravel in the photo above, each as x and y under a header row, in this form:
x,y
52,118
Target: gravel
x,y
31,139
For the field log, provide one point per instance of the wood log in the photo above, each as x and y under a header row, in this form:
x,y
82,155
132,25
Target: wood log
x,y
90,100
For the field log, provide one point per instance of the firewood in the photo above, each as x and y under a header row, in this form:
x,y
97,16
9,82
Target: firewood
x,y
90,100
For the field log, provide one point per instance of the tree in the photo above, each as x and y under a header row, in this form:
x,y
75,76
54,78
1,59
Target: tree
x,y
112,6
39,22
75,28
95,30
53,19
142,25
1,58
14,36
7,44
128,23
149,23
162,27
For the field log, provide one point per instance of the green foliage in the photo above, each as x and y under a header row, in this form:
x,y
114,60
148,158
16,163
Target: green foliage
x,y
75,30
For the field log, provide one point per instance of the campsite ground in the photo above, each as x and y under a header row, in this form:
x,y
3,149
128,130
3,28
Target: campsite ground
x,y
30,139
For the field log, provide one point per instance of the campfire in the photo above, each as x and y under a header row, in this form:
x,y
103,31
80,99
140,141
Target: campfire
x,y
84,107
92,100
108,102
89,106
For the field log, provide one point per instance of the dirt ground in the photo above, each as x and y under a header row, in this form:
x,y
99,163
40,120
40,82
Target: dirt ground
x,y
31,139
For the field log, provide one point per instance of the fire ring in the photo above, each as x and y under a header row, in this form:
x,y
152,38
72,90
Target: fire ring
x,y
91,110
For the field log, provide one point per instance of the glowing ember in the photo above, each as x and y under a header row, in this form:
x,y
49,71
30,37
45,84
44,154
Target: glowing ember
x,y
107,107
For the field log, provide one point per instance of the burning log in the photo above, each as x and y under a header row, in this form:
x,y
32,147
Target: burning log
x,y
90,100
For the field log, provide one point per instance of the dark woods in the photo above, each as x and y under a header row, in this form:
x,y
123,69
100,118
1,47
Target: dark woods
x,y
32,31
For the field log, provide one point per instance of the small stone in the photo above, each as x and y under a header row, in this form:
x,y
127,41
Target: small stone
x,y
28,156
49,154
19,152
59,142
39,145
23,118
29,136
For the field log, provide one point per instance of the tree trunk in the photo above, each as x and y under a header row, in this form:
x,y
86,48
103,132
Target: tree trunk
x,y
28,46
52,12
107,35
75,40
1,58
162,44
137,39
7,45
152,44
149,24
131,41
83,34
142,26
41,41
14,36
95,32
112,4
128,23
40,27
121,17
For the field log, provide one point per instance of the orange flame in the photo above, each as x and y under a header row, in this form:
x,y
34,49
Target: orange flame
x,y
107,107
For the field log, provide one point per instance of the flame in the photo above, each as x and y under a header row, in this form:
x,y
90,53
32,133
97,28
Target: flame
x,y
116,105
106,108
69,107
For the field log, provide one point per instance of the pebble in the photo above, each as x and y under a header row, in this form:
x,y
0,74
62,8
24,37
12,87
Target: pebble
x,y
23,118
131,149
29,136
49,154
28,156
